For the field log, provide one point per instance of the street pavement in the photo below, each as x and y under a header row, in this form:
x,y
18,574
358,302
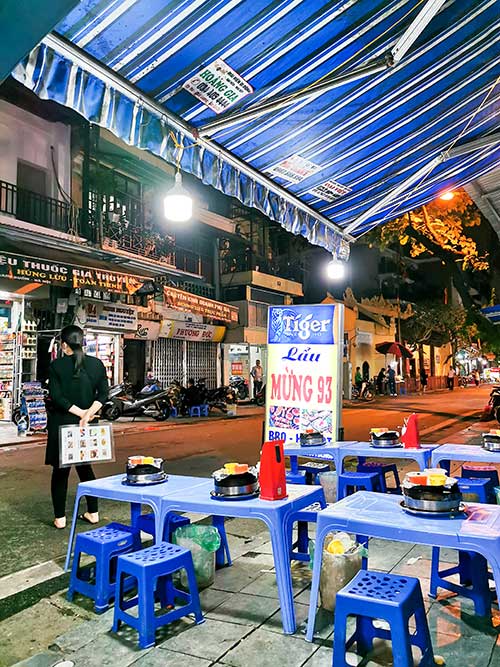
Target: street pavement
x,y
242,624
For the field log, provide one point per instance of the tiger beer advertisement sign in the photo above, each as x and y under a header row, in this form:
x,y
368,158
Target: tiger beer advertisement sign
x,y
303,371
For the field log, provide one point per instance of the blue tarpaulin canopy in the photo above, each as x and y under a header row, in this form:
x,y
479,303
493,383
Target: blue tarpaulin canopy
x,y
329,116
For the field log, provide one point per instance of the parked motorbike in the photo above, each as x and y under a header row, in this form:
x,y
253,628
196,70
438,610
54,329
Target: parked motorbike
x,y
366,393
492,408
151,401
260,396
239,386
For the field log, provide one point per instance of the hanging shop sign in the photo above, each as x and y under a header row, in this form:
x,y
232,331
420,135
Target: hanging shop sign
x,y
218,86
50,272
304,375
294,169
146,330
110,316
180,300
192,331
330,190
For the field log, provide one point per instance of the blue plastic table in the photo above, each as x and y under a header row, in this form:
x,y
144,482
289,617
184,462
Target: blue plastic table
x,y
450,452
192,494
112,488
379,515
363,449
328,452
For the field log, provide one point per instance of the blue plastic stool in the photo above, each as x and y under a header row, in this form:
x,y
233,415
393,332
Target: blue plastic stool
x,y
153,568
383,469
105,544
298,477
299,550
392,598
195,411
174,412
483,472
474,577
477,490
349,482
313,469
205,410
146,523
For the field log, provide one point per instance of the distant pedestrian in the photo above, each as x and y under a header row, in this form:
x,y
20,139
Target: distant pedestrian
x,y
451,378
78,388
423,380
257,374
477,378
391,376
358,378
381,381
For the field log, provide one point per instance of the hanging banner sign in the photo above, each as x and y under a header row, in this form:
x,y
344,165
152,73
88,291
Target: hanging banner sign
x,y
218,86
110,316
50,272
294,169
191,331
303,391
146,330
330,190
180,300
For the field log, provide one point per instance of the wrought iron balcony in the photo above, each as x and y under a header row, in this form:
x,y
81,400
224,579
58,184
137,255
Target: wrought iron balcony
x,y
39,210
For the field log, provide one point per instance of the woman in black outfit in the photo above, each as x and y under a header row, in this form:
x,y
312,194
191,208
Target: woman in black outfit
x,y
78,387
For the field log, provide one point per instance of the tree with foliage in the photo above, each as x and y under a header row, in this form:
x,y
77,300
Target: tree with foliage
x,y
440,229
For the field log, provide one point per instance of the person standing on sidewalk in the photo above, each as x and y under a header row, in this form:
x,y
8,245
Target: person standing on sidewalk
x,y
78,387
257,374
423,380
451,378
391,376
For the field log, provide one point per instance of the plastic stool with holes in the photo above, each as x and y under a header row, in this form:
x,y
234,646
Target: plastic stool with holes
x,y
174,412
146,523
153,569
195,411
299,550
313,469
349,482
475,490
383,469
205,410
392,598
295,477
473,571
105,544
482,472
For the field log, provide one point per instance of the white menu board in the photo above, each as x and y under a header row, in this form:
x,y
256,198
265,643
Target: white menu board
x,y
88,444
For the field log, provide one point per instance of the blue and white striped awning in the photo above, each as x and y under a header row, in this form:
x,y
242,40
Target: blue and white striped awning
x,y
389,101
492,313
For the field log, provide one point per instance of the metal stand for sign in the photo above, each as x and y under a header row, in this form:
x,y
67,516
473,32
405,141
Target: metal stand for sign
x,y
340,367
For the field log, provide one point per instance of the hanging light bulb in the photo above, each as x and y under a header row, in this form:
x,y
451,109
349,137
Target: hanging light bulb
x,y
447,196
178,203
335,269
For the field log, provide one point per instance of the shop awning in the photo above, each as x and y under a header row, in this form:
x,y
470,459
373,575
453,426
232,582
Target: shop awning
x,y
355,110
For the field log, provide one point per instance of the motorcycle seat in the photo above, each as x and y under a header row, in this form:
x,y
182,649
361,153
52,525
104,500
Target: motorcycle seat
x,y
147,394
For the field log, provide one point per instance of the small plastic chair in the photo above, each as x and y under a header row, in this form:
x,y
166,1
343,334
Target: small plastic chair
x,y
174,412
483,472
473,571
195,411
313,469
299,550
298,477
392,598
146,523
105,544
475,490
153,569
350,482
205,410
383,469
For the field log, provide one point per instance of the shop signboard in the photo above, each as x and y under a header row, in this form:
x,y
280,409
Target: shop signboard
x,y
180,300
304,371
191,331
218,86
51,272
236,368
110,316
146,330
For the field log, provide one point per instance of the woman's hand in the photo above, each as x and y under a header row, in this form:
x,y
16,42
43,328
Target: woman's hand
x,y
85,418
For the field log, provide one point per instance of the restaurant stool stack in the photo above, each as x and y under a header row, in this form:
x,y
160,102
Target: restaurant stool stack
x,y
383,469
350,482
392,598
474,577
482,472
153,569
105,544
475,490
313,470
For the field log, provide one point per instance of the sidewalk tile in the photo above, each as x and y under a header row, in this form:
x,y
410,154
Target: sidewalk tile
x,y
46,659
160,657
244,609
235,578
266,586
107,651
211,598
210,640
245,527
269,649
464,652
83,634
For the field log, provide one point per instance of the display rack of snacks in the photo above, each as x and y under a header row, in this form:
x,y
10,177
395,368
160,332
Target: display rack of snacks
x,y
7,367
102,346
33,405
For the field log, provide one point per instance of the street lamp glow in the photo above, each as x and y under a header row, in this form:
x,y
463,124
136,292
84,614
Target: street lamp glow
x,y
335,269
446,196
178,204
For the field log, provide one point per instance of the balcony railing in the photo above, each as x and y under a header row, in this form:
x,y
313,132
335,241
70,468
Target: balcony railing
x,y
39,210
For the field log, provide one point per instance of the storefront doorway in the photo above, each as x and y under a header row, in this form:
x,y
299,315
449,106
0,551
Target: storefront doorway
x,y
134,362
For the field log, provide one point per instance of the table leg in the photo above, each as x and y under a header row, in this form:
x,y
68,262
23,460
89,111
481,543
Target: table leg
x,y
72,530
313,604
294,464
279,531
135,513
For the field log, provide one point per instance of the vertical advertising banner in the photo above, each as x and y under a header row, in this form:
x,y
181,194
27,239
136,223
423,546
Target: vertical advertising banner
x,y
304,375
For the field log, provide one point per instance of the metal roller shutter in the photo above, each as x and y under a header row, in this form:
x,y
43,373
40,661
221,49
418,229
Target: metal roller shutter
x,y
174,359
201,362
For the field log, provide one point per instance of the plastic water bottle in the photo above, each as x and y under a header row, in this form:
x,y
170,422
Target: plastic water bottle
x,y
22,426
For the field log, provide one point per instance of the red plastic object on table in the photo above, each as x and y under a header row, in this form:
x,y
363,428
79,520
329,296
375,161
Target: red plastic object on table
x,y
409,435
272,478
